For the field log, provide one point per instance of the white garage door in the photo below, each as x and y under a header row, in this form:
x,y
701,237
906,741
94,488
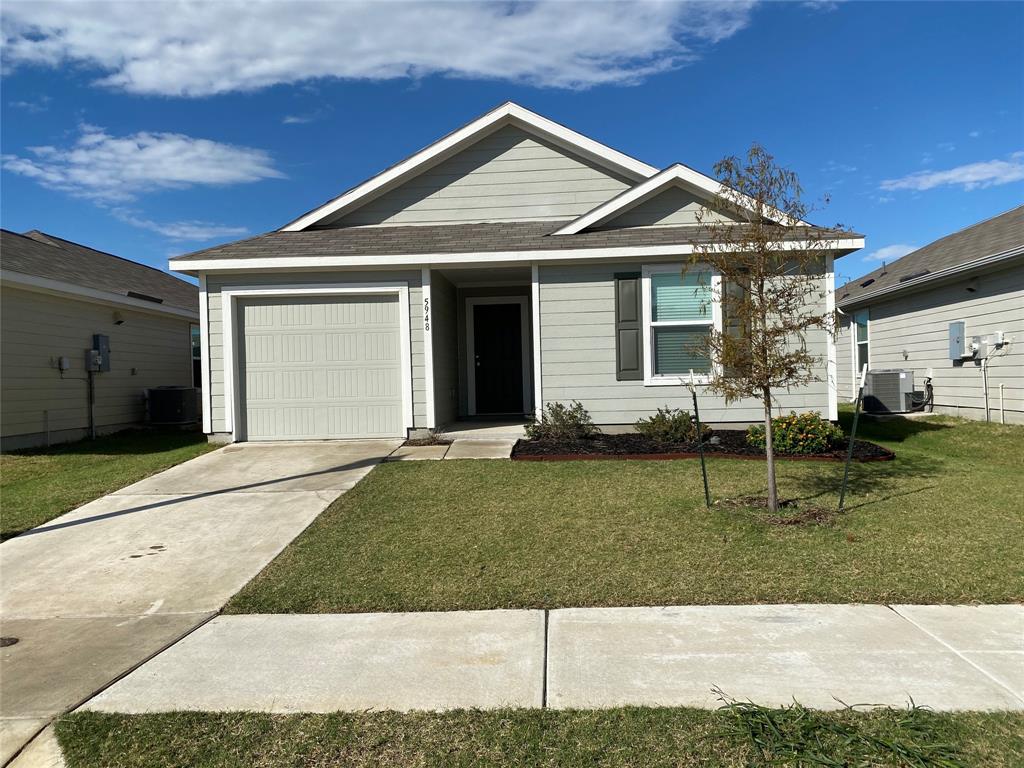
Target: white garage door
x,y
321,368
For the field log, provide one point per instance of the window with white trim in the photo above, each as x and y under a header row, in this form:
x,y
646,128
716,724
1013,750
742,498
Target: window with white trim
x,y
860,346
679,314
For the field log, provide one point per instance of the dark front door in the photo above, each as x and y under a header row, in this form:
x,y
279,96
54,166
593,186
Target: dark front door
x,y
498,358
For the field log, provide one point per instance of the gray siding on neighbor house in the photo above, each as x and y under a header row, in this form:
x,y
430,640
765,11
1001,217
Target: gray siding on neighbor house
x,y
38,328
508,175
577,308
918,324
214,284
444,330
672,208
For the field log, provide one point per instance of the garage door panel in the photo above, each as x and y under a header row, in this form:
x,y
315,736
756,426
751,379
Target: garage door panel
x,y
342,347
321,368
381,383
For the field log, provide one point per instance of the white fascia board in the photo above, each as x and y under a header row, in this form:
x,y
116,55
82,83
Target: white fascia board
x,y
497,257
932,276
506,114
675,175
81,292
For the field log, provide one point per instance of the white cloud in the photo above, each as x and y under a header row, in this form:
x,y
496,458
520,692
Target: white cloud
x,y
974,134
891,252
971,176
200,49
40,104
946,146
198,231
833,166
297,119
108,168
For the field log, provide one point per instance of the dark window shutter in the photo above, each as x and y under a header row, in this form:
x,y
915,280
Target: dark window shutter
x,y
735,327
629,348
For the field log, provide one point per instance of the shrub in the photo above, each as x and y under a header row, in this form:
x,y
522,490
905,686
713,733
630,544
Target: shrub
x,y
670,426
798,433
559,421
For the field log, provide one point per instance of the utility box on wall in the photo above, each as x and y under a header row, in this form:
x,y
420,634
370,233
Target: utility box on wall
x,y
101,345
956,340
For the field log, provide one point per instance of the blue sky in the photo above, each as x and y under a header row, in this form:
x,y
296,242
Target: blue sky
x,y
148,130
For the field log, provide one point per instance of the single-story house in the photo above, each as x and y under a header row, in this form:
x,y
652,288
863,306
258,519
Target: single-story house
x,y
508,265
61,300
953,312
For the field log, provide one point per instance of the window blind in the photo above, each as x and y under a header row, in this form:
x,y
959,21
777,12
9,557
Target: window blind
x,y
681,297
677,350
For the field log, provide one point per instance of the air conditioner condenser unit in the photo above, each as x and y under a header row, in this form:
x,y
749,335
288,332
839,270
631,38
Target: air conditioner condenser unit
x,y
889,391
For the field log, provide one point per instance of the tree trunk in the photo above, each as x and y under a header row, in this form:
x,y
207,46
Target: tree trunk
x,y
769,452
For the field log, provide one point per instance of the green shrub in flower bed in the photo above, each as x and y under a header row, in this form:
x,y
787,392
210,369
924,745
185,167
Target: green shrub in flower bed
x,y
670,425
804,433
559,421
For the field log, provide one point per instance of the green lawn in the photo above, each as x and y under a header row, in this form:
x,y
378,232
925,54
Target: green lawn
x,y
942,523
562,739
40,484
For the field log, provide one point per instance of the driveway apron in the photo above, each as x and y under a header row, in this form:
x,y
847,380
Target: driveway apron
x,y
94,593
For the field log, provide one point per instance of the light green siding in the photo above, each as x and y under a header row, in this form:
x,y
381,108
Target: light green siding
x,y
577,308
215,283
508,175
671,208
911,331
147,350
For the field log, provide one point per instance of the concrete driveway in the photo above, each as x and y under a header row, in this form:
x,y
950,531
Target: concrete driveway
x,y
96,592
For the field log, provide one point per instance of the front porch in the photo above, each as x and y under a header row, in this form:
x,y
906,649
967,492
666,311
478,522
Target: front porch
x,y
479,331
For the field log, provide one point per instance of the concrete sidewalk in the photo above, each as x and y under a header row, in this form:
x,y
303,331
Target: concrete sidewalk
x,y
945,657
97,591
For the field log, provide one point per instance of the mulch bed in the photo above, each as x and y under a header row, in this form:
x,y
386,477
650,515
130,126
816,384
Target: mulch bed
x,y
724,443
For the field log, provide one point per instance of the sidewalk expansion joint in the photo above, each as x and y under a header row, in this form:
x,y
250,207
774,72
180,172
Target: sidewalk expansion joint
x,y
544,666
958,654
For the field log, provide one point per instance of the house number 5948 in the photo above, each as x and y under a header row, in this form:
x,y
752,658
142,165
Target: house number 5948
x,y
426,314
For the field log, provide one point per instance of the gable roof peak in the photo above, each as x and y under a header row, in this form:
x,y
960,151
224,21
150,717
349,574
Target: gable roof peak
x,y
676,174
506,113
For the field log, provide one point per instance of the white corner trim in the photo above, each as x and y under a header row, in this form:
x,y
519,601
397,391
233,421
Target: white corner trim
x,y
677,175
497,257
81,292
204,355
538,371
229,312
506,114
831,368
524,325
428,345
646,304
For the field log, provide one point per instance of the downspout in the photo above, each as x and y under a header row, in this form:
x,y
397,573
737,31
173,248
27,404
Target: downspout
x,y
92,404
984,386
1002,413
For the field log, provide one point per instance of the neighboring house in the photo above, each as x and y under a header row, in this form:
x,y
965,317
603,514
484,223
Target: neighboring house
x,y
510,264
908,315
55,296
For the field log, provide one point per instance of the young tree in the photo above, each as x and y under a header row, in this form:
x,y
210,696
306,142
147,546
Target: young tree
x,y
772,294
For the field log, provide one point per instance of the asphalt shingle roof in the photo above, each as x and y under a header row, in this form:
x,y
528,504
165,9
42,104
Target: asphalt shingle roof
x,y
450,238
987,238
41,255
